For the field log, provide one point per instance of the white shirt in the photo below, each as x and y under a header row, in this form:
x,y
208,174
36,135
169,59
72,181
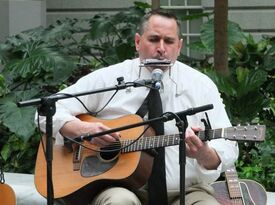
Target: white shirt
x,y
184,87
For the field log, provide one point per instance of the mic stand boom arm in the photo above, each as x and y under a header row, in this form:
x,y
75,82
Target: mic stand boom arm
x,y
164,118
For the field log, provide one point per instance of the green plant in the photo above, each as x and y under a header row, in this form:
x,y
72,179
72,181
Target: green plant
x,y
41,61
111,37
32,66
248,94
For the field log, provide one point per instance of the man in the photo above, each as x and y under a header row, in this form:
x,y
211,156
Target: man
x,y
183,88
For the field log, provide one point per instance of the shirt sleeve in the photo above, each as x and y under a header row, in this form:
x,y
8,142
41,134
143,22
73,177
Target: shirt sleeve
x,y
227,150
68,109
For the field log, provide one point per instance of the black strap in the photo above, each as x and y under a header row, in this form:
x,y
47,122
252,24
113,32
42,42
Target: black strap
x,y
2,178
143,110
157,182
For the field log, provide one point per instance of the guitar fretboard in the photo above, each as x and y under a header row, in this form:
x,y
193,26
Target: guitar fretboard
x,y
233,184
150,143
164,140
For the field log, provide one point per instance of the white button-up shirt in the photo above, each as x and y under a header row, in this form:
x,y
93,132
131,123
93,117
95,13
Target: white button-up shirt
x,y
183,88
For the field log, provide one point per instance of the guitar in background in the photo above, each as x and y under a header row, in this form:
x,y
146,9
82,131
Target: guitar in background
x,y
233,191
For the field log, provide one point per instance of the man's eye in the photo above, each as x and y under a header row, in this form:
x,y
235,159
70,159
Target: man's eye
x,y
154,40
169,41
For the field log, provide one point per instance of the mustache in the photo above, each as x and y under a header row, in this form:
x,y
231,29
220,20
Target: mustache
x,y
160,57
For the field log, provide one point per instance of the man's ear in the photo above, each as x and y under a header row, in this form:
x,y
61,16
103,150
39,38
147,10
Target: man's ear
x,y
137,41
180,46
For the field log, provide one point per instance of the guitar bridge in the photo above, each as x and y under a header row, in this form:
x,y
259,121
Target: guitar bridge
x,y
76,157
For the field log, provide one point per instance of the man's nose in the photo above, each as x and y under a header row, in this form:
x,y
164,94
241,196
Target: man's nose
x,y
161,47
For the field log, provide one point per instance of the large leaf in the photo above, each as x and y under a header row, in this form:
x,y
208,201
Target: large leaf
x,y
269,58
4,49
19,120
247,106
125,51
38,57
223,83
249,80
272,106
3,86
198,46
62,29
234,31
101,25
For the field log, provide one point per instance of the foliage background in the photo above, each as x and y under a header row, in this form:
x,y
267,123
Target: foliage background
x,y
41,61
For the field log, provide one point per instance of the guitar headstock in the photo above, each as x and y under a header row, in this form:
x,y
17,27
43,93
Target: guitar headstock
x,y
254,133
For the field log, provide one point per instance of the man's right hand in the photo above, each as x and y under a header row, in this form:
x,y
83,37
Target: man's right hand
x,y
76,128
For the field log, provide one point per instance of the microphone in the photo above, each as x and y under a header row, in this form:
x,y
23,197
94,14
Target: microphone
x,y
155,81
190,111
157,75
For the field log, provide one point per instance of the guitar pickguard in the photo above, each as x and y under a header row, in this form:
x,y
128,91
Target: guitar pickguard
x,y
252,193
247,198
93,166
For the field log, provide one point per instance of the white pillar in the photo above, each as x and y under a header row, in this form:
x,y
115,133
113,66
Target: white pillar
x,y
20,15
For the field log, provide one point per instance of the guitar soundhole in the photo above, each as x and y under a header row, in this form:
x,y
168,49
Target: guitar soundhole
x,y
110,152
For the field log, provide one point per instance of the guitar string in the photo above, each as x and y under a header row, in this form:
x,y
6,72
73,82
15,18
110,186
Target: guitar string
x,y
104,151
148,142
234,187
121,148
116,146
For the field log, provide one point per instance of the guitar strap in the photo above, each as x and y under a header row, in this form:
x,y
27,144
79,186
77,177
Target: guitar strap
x,y
157,188
143,110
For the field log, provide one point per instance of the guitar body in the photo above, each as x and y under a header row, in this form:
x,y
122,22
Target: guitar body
x,y
253,193
130,170
7,195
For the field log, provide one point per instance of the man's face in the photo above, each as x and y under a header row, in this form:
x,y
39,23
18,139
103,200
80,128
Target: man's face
x,y
160,40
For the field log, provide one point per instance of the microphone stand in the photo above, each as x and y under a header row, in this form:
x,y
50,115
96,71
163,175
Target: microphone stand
x,y
182,126
46,107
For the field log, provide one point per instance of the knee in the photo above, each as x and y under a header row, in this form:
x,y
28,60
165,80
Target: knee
x,y
116,196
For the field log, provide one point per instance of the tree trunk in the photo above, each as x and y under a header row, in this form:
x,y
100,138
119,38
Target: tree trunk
x,y
155,4
220,36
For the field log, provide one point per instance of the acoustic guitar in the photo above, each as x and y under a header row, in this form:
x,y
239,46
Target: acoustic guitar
x,y
233,191
127,166
7,195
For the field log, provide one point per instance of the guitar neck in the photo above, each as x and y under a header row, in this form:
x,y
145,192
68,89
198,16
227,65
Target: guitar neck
x,y
152,142
238,133
233,183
